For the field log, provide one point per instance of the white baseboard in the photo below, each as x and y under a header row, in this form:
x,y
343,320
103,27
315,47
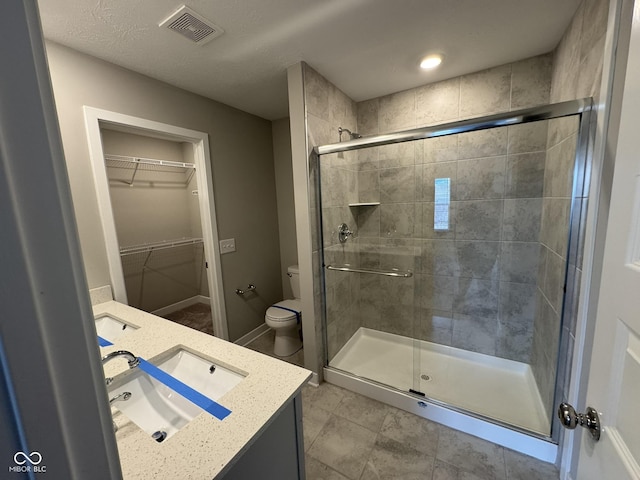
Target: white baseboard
x,y
174,307
314,381
252,335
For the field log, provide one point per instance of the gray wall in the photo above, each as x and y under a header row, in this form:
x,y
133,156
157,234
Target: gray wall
x,y
284,191
242,161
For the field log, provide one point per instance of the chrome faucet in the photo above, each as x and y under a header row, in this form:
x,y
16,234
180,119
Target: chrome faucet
x,y
131,358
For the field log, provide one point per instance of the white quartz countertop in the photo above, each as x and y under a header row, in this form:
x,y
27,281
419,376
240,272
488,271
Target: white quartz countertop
x,y
205,447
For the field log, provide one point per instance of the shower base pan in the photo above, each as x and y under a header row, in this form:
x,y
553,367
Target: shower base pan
x,y
458,381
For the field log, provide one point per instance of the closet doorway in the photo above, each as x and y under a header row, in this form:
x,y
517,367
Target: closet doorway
x,y
156,205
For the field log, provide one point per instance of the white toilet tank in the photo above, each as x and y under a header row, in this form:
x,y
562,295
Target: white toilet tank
x,y
294,280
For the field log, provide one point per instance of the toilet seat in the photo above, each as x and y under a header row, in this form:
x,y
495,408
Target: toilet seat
x,y
284,315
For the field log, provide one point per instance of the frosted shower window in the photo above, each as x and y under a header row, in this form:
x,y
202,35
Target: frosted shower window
x,y
441,206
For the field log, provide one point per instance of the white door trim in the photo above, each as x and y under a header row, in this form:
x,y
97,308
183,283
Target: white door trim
x,y
94,117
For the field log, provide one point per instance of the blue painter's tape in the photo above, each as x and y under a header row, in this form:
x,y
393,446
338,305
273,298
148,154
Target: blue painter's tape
x,y
103,343
185,390
290,310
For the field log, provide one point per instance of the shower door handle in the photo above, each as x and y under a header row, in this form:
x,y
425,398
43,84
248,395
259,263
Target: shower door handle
x,y
571,419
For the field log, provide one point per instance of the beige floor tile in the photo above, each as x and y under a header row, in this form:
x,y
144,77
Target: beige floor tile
x,y
313,419
411,430
343,446
362,410
391,460
471,454
326,396
316,470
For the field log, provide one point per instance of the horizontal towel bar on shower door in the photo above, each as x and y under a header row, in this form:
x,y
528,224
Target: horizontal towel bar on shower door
x,y
388,273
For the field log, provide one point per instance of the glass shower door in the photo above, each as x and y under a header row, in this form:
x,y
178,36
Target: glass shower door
x,y
450,285
371,316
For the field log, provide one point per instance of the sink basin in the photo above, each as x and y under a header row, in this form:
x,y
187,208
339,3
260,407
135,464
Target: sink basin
x,y
153,406
111,328
160,410
205,376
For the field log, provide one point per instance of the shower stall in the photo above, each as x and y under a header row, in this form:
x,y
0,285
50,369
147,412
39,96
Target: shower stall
x,y
447,255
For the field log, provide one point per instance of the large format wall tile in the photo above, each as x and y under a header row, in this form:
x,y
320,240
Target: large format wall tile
x,y
428,222
475,333
397,111
527,137
427,175
554,230
480,178
398,185
369,186
368,117
519,262
399,220
483,143
439,257
558,175
525,175
316,93
438,102
479,220
477,259
531,82
435,292
476,297
485,92
397,154
440,149
522,219
435,326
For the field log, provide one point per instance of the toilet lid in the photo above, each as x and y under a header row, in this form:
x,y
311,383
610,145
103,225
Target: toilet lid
x,y
280,314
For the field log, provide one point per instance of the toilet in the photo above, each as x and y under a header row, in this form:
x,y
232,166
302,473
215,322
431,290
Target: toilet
x,y
285,317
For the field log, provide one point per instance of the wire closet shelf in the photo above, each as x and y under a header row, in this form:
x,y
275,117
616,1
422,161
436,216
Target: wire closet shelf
x,y
162,245
140,164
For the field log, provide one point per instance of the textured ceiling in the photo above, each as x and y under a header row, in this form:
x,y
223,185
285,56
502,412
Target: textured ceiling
x,y
367,48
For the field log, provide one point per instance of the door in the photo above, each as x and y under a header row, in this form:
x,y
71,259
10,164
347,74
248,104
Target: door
x,y
95,119
614,378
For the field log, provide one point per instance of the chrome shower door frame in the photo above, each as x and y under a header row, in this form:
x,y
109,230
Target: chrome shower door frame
x,y
541,446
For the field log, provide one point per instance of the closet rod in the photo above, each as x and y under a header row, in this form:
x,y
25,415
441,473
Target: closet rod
x,y
150,247
149,161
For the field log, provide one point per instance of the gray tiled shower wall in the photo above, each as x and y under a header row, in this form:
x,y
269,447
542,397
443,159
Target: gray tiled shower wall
x,y
474,283
552,265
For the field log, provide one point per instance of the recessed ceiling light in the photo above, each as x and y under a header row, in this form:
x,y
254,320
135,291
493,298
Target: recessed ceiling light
x,y
430,62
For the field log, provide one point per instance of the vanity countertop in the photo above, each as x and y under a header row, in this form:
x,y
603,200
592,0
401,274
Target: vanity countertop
x,y
206,446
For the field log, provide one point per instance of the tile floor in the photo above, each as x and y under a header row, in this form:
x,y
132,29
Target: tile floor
x,y
264,344
196,316
351,437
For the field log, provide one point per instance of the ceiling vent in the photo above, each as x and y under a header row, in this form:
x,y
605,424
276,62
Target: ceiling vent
x,y
192,25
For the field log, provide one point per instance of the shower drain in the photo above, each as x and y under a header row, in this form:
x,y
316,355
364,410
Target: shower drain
x,y
425,377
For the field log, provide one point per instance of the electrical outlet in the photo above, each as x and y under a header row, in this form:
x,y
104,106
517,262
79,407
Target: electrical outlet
x,y
228,245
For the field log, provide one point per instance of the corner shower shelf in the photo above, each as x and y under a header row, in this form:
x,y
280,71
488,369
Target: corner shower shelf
x,y
364,204
151,247
136,164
